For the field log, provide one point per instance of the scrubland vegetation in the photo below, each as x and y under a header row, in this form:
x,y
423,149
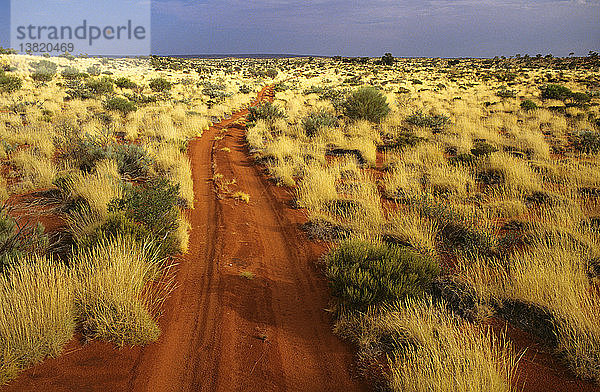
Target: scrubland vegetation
x,y
97,149
455,192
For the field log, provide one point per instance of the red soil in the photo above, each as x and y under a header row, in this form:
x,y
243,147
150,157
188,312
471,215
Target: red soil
x,y
538,370
223,331
264,332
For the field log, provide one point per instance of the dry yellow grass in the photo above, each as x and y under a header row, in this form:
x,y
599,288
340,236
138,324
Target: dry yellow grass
x,y
112,292
37,316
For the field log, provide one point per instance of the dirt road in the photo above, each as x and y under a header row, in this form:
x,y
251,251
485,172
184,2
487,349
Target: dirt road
x,y
249,310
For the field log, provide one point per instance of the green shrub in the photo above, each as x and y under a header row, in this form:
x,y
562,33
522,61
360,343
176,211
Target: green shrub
x,y
124,82
271,73
103,85
9,83
71,73
152,205
586,142
132,160
117,224
265,111
18,240
245,89
160,85
366,103
528,105
555,91
44,70
94,70
505,93
363,274
120,104
580,99
317,120
433,121
455,232
482,148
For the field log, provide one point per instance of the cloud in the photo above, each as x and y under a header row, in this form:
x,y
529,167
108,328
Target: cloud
x,y
415,27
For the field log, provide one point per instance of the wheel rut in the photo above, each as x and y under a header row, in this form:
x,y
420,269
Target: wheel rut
x,y
248,312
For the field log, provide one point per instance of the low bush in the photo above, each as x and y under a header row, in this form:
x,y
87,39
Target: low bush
x,y
71,73
43,70
366,103
586,142
363,274
103,85
119,104
433,121
132,160
124,82
528,105
317,120
555,91
94,70
265,111
482,148
9,83
160,85
19,239
154,206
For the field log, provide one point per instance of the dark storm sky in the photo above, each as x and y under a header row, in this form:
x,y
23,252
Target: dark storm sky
x,y
431,28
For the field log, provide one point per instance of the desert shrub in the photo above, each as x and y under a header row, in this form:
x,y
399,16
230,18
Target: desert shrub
x,y
528,105
271,73
122,105
586,142
124,82
244,89
19,239
9,83
76,89
99,86
401,140
265,111
366,103
71,73
580,99
482,148
317,120
140,99
363,274
505,93
160,85
463,159
116,224
555,91
155,206
43,70
433,121
132,160
94,70
456,233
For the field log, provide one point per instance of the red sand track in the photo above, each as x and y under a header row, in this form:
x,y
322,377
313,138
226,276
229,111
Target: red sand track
x,y
222,331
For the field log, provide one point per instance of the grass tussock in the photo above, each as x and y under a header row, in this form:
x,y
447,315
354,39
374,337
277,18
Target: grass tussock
x,y
37,313
114,294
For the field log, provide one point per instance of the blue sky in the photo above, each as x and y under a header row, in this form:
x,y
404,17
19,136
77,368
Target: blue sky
x,y
431,28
